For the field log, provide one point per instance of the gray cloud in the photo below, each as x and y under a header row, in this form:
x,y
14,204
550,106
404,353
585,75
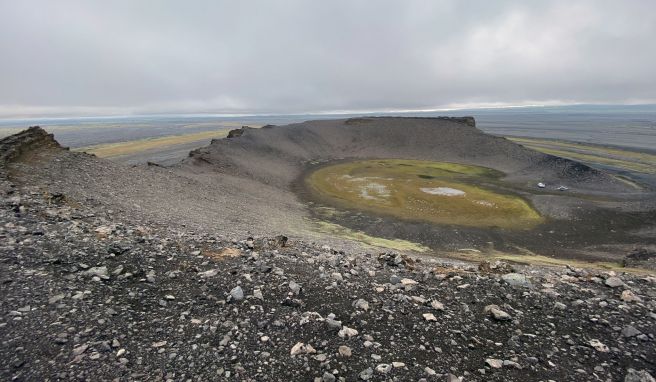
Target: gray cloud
x,y
109,57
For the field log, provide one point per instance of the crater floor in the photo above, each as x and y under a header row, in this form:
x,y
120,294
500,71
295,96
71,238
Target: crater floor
x,y
436,192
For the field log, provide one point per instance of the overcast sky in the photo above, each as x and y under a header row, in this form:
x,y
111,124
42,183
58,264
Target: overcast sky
x,y
121,57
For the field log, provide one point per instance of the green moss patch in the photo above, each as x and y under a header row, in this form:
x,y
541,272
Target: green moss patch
x,y
437,192
373,241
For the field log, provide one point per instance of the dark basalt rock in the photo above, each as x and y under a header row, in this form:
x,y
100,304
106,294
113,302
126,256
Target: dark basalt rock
x,y
641,258
34,138
238,132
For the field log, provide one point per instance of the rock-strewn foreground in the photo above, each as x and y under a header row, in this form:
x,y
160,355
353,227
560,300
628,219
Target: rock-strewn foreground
x,y
93,292
86,296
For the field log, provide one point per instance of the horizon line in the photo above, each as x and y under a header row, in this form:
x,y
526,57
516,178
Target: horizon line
x,y
320,113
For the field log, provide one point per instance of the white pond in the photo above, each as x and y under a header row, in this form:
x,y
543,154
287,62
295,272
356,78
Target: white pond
x,y
444,191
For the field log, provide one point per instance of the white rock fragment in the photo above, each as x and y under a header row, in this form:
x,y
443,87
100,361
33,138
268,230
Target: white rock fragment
x,y
407,282
494,363
495,312
209,273
347,332
383,368
295,287
104,230
301,348
344,351
97,271
429,317
361,304
418,299
598,346
80,349
516,279
333,322
437,305
628,296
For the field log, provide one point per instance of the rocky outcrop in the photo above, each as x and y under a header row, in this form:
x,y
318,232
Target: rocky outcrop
x,y
469,121
643,257
17,145
237,132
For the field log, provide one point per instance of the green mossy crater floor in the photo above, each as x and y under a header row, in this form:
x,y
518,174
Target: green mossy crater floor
x,y
437,192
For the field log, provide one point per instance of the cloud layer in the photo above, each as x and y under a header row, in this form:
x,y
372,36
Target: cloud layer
x,y
118,57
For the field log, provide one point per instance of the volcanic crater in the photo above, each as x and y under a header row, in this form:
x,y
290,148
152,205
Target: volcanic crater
x,y
440,184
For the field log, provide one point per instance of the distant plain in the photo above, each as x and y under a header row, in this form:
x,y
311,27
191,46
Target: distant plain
x,y
619,138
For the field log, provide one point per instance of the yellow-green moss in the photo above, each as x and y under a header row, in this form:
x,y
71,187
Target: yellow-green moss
x,y
394,187
527,257
346,233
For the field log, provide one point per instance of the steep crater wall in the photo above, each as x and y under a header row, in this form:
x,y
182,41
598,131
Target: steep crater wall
x,y
279,155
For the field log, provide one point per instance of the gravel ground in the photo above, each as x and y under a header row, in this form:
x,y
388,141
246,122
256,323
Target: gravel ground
x,y
89,296
216,203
